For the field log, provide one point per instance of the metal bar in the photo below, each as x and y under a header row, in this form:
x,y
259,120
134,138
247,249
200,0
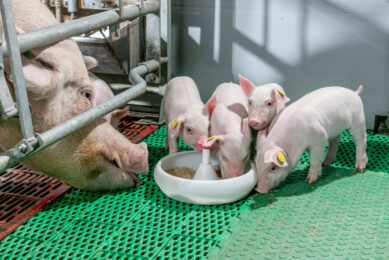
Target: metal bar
x,y
59,132
17,70
7,105
165,34
118,87
58,11
62,31
121,5
72,8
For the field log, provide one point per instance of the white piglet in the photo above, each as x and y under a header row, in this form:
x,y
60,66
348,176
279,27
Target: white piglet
x,y
265,102
308,124
229,127
185,113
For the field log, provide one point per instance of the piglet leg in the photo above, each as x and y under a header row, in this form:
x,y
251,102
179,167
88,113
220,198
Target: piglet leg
x,y
315,158
172,141
359,136
331,153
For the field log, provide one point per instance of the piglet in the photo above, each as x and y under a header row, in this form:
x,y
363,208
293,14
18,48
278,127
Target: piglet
x,y
309,123
185,113
102,93
264,102
229,127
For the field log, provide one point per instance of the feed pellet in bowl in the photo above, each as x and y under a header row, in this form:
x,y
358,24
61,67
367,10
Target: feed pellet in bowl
x,y
188,173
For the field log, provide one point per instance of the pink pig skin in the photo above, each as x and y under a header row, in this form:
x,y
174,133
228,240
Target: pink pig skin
x,y
102,93
265,102
182,102
308,124
229,124
96,157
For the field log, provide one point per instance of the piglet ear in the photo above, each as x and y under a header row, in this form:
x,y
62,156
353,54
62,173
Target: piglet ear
x,y
239,109
277,156
176,125
246,85
279,96
210,106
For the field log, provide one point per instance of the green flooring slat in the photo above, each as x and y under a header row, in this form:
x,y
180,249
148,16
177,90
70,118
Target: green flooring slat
x,y
343,215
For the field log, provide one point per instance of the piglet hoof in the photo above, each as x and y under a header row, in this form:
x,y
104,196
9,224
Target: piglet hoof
x,y
328,161
137,180
311,179
361,170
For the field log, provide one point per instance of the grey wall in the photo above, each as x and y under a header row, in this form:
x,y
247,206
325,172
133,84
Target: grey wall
x,y
300,44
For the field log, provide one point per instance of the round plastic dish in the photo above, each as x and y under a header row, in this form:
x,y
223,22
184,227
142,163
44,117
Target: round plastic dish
x,y
202,192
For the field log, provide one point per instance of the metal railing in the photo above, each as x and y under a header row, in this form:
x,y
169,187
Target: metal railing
x,y
33,143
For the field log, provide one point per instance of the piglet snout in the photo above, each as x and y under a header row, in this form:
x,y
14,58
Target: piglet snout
x,y
256,124
263,186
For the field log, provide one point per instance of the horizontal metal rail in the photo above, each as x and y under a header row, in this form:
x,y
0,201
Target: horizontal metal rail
x,y
62,31
8,159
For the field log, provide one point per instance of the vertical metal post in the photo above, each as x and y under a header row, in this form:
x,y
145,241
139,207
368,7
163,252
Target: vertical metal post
x,y
72,8
17,69
58,10
165,34
7,105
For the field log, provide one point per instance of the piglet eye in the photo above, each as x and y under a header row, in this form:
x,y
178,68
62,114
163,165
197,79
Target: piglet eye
x,y
189,130
269,103
273,168
250,102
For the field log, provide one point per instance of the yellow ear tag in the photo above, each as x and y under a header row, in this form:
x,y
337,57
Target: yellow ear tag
x,y
181,126
281,157
212,137
174,124
281,92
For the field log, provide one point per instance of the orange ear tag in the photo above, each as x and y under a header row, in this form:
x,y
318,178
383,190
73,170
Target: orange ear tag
x,y
281,92
281,157
174,124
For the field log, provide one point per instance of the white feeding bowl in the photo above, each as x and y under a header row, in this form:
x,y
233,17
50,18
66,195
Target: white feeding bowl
x,y
204,192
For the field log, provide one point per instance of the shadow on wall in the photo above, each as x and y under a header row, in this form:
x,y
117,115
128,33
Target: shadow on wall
x,y
302,45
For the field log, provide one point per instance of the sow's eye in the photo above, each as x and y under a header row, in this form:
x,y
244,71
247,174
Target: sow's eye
x,y
87,94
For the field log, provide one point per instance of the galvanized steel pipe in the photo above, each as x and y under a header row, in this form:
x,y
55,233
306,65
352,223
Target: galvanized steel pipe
x,y
62,31
59,132
58,10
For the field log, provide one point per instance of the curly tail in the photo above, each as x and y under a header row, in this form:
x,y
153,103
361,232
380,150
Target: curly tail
x,y
359,90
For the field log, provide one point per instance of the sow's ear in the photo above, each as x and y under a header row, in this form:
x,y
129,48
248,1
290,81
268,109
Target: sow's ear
x,y
277,156
279,96
118,114
90,62
176,125
239,109
246,85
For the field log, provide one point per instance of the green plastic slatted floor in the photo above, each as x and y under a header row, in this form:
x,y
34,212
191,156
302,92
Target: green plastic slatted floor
x,y
343,215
